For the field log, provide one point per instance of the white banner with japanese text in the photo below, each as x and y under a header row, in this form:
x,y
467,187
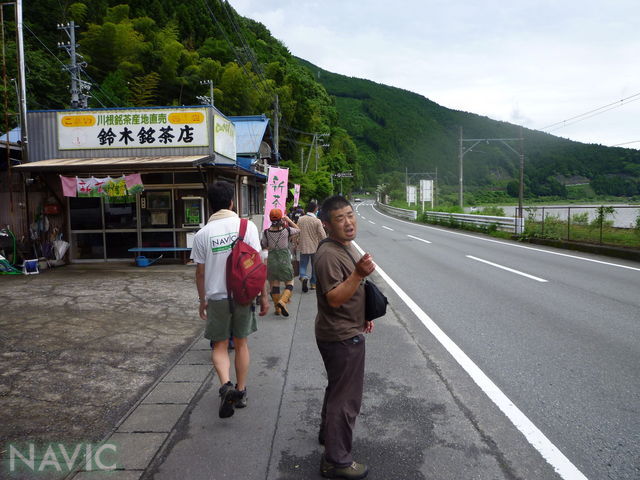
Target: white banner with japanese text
x,y
139,128
276,193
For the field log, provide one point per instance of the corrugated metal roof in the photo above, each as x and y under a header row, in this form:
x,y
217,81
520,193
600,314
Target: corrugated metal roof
x,y
112,162
249,133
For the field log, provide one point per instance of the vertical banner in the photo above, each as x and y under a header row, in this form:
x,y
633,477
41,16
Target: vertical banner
x,y
276,193
411,194
296,195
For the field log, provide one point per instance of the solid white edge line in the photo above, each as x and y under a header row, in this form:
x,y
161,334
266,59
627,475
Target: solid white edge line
x,y
518,272
388,228
509,244
554,457
418,238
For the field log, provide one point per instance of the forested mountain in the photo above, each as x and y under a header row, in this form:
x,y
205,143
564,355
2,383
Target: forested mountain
x,y
157,52
395,128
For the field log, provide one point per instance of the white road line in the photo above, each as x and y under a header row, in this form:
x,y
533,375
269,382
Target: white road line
x,y
537,279
372,222
509,244
418,238
561,464
384,226
362,217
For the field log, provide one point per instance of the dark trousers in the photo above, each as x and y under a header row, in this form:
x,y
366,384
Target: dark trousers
x,y
344,362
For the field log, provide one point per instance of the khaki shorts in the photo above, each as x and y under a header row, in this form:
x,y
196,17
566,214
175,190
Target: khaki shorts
x,y
221,323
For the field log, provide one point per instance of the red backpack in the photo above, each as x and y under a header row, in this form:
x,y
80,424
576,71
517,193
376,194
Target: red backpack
x,y
246,273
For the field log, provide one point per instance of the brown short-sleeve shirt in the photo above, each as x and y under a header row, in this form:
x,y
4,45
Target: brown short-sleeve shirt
x,y
333,265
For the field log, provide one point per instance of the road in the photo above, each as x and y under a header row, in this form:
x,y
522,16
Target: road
x,y
557,332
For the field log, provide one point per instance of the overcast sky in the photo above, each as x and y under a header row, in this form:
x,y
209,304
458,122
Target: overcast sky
x,y
530,62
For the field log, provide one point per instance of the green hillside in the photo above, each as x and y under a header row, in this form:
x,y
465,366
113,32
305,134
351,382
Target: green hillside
x,y
156,52
395,128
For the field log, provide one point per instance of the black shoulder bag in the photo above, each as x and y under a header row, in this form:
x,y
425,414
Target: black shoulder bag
x,y
375,303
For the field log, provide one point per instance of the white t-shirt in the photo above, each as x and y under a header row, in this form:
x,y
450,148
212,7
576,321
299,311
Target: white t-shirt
x,y
212,246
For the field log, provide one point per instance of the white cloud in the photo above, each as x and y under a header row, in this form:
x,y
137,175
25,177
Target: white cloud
x,y
534,62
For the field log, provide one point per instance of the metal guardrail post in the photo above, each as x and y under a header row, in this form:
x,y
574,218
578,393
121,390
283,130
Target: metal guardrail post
x,y
568,223
542,233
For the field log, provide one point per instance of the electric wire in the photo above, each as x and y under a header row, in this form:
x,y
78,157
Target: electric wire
x,y
92,81
594,114
596,111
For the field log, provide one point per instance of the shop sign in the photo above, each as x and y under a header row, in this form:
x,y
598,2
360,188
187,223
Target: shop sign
x,y
224,137
154,128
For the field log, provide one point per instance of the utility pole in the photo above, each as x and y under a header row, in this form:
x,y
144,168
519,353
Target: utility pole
x,y
461,155
276,128
23,84
521,189
204,99
79,99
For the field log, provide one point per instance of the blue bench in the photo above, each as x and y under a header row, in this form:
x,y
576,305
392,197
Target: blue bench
x,y
183,251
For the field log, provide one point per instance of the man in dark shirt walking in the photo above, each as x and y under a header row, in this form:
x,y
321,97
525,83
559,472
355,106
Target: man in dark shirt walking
x,y
339,329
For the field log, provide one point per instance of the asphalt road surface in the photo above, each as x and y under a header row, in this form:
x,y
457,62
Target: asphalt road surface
x,y
557,332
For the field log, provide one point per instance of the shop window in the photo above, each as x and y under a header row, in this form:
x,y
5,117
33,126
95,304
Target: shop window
x,y
156,209
120,212
85,213
118,244
88,246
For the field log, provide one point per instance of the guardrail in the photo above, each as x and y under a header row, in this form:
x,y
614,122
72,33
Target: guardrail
x,y
506,224
398,212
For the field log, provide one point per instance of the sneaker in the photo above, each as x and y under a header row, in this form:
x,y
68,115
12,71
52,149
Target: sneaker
x,y
305,288
353,471
312,286
228,397
241,402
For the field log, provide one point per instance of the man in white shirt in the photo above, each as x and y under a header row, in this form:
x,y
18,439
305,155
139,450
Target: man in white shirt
x,y
211,247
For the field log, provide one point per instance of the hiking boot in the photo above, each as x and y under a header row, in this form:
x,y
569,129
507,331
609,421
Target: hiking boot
x,y
228,397
305,287
241,402
353,471
282,302
276,298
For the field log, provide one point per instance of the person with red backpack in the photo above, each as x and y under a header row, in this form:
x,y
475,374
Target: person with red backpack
x,y
224,304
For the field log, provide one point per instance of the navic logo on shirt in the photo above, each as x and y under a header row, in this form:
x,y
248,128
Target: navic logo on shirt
x,y
222,243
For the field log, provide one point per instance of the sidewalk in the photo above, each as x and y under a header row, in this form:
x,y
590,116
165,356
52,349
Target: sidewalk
x,y
413,425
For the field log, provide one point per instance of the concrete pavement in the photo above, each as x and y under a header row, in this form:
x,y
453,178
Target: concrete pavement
x,y
421,418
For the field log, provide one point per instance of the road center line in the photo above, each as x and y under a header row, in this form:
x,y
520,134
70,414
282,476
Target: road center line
x,y
561,464
418,238
372,222
518,272
384,226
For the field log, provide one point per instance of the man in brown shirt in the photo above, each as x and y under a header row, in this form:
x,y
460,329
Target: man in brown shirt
x,y
311,233
339,329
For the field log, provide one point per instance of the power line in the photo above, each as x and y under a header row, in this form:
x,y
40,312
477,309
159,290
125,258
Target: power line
x,y
93,82
591,113
625,143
